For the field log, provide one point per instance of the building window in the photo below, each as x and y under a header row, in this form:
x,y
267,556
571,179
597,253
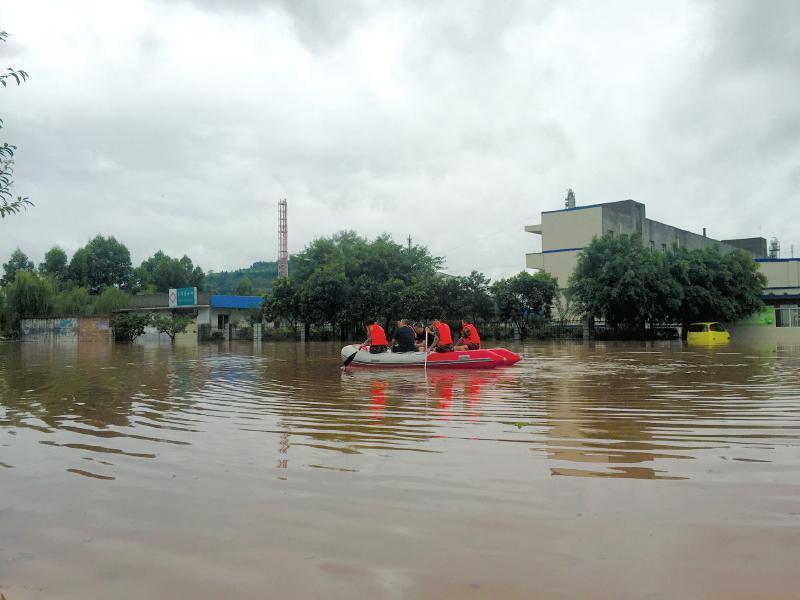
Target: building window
x,y
787,316
610,232
663,247
222,321
652,245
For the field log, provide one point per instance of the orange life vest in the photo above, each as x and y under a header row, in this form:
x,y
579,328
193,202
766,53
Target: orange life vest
x,y
471,334
377,337
445,336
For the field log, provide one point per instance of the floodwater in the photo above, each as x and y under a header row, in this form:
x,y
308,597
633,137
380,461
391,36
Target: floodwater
x,y
604,470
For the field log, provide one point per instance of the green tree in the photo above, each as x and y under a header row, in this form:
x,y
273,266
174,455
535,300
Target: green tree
x,y
110,300
128,326
479,304
161,272
323,297
346,279
8,204
103,262
283,302
72,303
525,299
244,287
18,262
171,325
619,280
716,287
29,296
55,264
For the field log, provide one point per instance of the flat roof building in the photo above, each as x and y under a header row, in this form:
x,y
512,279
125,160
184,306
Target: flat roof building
x,y
567,231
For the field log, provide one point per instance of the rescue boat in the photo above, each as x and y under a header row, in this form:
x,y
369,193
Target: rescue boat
x,y
488,358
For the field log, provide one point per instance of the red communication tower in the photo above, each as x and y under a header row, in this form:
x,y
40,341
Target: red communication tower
x,y
283,231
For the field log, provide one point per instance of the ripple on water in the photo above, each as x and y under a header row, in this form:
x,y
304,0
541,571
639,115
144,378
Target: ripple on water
x,y
598,411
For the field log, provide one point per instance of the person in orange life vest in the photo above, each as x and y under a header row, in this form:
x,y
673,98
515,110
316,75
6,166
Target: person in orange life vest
x,y
442,338
470,340
377,338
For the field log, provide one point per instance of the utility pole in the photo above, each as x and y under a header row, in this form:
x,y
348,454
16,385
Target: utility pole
x,y
409,241
283,236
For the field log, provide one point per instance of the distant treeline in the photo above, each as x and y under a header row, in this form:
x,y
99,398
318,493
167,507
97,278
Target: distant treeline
x,y
255,279
98,279
345,279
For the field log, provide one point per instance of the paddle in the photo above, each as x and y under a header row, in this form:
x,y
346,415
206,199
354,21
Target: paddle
x,y
350,358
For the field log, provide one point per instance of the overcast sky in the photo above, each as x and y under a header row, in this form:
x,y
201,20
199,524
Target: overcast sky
x,y
179,125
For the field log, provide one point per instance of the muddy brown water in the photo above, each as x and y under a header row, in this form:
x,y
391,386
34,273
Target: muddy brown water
x,y
603,470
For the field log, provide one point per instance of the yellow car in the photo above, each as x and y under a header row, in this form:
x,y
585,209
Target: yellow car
x,y
707,333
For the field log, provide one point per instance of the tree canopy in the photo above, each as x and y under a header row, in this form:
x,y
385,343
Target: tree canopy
x,y
55,264
18,262
345,280
628,285
102,262
525,299
160,272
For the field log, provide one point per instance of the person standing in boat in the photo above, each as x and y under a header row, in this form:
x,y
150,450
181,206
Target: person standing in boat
x,y
403,340
377,338
442,338
470,340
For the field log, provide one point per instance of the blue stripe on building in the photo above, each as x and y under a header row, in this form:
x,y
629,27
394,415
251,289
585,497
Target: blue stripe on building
x,y
219,301
547,212
561,250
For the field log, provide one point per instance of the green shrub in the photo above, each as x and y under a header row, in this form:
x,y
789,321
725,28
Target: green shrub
x,y
128,326
111,299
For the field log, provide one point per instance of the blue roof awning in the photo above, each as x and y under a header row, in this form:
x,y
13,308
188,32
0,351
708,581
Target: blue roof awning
x,y
218,301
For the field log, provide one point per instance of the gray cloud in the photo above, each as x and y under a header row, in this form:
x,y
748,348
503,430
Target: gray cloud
x,y
179,125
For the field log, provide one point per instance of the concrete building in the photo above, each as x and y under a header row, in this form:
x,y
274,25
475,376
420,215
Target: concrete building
x,y
566,232
783,289
214,315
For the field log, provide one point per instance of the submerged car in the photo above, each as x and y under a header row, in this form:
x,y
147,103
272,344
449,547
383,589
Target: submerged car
x,y
707,333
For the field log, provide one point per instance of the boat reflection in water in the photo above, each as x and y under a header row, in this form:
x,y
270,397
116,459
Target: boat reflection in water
x,y
224,470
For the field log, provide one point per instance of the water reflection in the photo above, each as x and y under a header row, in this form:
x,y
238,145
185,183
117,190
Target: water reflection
x,y
643,412
221,471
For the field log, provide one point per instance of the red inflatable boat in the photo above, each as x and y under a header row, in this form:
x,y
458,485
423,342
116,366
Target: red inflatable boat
x,y
488,358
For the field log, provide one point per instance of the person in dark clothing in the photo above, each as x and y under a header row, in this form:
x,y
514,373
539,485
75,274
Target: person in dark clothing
x,y
403,340
420,334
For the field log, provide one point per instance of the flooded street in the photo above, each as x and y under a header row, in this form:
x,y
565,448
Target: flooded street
x,y
597,470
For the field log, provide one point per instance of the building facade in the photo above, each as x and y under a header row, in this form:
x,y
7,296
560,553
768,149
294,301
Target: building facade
x,y
567,231
213,315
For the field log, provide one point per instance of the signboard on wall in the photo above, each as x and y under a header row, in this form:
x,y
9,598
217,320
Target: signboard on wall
x,y
182,297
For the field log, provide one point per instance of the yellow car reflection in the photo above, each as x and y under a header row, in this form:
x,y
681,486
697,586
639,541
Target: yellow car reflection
x,y
707,334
